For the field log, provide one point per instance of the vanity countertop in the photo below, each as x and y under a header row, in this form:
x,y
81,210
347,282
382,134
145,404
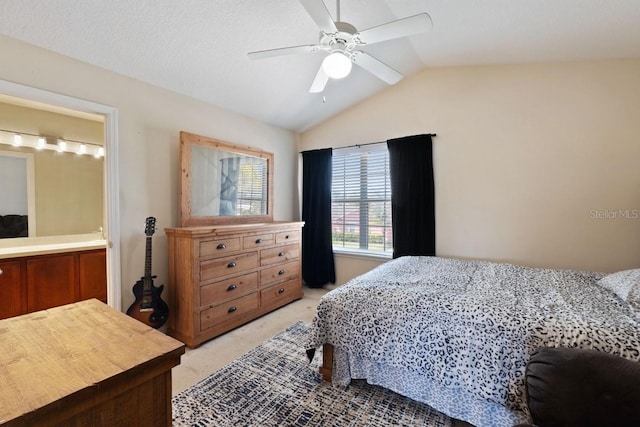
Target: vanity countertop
x,y
13,248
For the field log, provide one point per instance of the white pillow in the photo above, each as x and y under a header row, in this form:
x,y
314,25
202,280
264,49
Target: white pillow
x,y
625,284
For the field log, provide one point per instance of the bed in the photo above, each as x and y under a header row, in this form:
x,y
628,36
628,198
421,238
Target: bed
x,y
457,334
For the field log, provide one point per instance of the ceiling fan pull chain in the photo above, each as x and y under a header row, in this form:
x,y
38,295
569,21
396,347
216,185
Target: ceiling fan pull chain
x,y
338,10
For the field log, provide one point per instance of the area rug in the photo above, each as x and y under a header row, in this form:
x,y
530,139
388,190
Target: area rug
x,y
275,385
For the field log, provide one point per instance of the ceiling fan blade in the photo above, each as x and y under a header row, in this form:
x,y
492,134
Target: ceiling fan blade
x,y
320,15
396,29
375,67
319,82
282,51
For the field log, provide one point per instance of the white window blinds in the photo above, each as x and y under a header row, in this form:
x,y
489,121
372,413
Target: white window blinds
x,y
252,187
361,199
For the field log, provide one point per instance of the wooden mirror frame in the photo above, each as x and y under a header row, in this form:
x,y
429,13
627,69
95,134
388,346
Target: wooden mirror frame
x,y
187,219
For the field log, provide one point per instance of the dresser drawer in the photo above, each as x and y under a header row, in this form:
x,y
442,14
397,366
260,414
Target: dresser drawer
x,y
279,254
281,294
218,267
279,273
229,310
288,236
219,247
250,242
231,288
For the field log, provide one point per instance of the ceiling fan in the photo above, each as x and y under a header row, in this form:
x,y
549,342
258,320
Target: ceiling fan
x,y
341,41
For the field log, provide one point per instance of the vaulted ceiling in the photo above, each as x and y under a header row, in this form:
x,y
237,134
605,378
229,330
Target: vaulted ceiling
x,y
199,47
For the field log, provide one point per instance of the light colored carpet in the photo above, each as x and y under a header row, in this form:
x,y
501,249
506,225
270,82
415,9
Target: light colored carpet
x,y
274,385
197,364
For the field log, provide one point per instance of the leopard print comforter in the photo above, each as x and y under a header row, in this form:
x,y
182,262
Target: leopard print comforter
x,y
457,334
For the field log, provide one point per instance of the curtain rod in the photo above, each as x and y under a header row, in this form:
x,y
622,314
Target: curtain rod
x,y
371,143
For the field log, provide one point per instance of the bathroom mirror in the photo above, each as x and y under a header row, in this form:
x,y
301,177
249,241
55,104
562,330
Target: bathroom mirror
x,y
60,192
223,183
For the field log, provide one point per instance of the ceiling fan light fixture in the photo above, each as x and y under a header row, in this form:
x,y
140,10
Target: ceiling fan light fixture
x,y
337,65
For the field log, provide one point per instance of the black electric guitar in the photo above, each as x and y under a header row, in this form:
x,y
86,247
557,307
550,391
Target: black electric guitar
x,y
148,306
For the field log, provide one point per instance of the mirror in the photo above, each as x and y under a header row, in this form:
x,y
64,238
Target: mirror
x,y
57,192
222,183
17,192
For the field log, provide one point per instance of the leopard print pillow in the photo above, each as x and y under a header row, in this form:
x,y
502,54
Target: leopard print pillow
x,y
625,284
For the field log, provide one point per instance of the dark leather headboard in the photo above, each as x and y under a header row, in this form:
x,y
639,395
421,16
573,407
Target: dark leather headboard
x,y
14,226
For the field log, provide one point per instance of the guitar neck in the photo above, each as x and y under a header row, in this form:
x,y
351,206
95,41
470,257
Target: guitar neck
x,y
147,260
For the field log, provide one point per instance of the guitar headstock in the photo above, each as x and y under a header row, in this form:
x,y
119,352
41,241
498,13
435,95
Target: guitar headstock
x,y
150,228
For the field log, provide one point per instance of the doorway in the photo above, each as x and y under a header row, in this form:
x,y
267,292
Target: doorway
x,y
111,182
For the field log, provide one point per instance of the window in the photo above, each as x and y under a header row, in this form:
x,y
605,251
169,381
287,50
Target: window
x,y
361,200
252,187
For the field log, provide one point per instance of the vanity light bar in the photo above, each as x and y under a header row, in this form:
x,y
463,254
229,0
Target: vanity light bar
x,y
21,139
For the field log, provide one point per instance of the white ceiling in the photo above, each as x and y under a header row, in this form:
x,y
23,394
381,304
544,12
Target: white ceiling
x,y
199,47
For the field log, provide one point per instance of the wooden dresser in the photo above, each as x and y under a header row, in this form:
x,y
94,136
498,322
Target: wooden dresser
x,y
85,364
223,276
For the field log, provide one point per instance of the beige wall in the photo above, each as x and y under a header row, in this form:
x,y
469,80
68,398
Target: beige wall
x,y
33,120
526,159
526,155
69,193
350,266
68,188
149,120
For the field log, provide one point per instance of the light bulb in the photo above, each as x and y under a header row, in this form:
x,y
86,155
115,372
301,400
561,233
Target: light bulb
x,y
61,146
41,143
82,149
336,65
17,140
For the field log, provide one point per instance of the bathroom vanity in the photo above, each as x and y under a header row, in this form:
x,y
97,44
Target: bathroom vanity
x,y
45,274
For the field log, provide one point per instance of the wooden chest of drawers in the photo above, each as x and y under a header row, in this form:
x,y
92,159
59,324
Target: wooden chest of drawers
x,y
221,277
85,364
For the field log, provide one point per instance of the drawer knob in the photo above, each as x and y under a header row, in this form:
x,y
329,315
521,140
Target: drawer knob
x,y
231,264
258,241
281,291
1,272
232,287
232,309
280,273
221,246
286,237
281,254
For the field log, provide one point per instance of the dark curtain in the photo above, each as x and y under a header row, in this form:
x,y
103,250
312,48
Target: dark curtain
x,y
317,253
412,196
